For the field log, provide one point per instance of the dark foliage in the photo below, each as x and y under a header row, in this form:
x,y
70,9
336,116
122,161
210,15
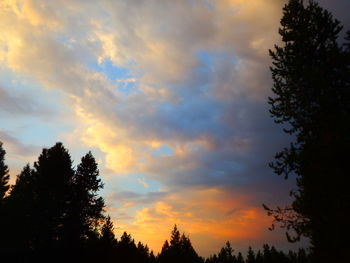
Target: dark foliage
x,y
267,255
179,250
311,74
86,207
20,209
4,186
53,208
54,214
4,174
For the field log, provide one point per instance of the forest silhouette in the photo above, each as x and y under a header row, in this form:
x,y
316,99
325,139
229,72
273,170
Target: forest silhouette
x,y
53,212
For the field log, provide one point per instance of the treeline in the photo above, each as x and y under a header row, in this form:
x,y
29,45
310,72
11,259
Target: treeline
x,y
266,255
53,213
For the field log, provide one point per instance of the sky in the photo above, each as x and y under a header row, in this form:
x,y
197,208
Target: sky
x,y
171,98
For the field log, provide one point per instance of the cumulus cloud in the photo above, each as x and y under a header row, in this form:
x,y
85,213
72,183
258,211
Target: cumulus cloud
x,y
194,118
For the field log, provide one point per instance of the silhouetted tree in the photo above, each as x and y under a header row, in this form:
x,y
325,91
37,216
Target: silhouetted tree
x,y
4,186
152,257
53,187
212,259
86,207
267,255
20,206
240,258
4,174
106,249
312,95
226,254
60,205
107,234
165,247
53,213
271,255
175,238
259,258
86,184
143,252
250,256
126,249
188,252
179,250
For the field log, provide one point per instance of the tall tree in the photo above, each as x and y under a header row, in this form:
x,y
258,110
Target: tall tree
x,y
54,175
4,174
312,96
21,204
87,184
86,207
4,186
60,205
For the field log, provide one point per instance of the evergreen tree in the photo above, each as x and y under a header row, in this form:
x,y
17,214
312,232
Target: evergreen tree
x,y
312,95
212,259
259,257
54,175
240,258
4,175
175,238
20,206
250,256
86,207
126,249
226,254
143,253
60,205
4,186
267,253
152,258
87,184
107,243
179,250
64,213
107,234
165,247
187,251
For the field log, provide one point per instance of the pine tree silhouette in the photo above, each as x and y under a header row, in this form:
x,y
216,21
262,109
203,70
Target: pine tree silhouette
x,y
312,95
4,174
4,187
180,249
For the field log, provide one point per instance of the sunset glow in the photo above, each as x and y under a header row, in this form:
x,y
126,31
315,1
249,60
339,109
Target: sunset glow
x,y
171,98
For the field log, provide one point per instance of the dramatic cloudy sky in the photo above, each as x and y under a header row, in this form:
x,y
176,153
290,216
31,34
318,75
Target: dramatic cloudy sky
x,y
170,96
